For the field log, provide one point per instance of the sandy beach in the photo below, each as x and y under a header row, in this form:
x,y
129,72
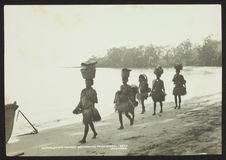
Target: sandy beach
x,y
195,129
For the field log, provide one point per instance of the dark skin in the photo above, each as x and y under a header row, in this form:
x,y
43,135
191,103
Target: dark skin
x,y
89,83
179,96
124,81
141,78
161,110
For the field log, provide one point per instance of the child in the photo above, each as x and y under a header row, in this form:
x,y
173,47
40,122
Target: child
x,y
180,85
158,89
143,90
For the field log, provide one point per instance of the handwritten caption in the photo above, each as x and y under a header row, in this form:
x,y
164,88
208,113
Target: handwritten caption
x,y
111,147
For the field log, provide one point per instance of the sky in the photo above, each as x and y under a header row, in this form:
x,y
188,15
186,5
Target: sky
x,y
66,35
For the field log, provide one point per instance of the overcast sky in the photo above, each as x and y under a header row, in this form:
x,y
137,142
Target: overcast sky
x,y
66,35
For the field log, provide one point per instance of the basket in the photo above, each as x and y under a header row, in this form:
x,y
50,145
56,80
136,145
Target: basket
x,y
88,73
178,66
77,110
125,72
96,115
158,70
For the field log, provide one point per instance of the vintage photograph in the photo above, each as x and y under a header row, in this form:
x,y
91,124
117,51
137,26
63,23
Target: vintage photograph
x,y
113,80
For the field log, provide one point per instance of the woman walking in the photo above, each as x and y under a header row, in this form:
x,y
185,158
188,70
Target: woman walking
x,y
158,89
88,98
180,85
124,99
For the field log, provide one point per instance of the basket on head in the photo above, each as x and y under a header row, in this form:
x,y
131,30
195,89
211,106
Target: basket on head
x,y
125,72
178,66
158,70
88,69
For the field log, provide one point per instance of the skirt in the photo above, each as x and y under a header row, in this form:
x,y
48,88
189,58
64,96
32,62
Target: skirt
x,y
142,96
90,115
179,91
124,107
158,96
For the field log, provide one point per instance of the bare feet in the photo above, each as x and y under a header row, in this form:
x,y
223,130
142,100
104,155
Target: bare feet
x,y
121,127
142,112
94,136
82,141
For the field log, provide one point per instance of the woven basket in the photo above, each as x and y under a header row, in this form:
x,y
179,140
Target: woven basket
x,y
125,73
88,73
178,66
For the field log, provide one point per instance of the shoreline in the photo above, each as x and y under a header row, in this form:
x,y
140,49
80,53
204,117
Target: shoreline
x,y
78,67
61,124
162,129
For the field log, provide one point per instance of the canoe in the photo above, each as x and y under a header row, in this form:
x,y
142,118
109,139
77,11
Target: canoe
x,y
10,110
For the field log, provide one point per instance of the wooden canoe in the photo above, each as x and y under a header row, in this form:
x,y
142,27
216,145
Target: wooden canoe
x,y
10,110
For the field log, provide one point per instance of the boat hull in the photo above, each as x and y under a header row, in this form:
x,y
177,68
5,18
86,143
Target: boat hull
x,y
10,110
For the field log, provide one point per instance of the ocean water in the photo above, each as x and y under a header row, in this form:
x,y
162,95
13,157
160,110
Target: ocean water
x,y
48,96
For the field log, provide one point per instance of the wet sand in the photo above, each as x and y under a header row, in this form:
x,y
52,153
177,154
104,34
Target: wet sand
x,y
195,129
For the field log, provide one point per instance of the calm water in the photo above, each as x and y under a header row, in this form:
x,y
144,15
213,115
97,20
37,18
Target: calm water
x,y
48,96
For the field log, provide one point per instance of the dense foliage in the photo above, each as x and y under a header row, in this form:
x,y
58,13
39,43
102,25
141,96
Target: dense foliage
x,y
208,54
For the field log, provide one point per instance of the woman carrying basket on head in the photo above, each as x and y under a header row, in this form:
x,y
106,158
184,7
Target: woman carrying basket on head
x,y
124,99
158,89
88,98
180,85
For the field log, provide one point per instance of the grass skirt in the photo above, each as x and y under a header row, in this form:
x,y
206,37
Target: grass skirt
x,y
90,115
158,96
124,107
179,91
142,96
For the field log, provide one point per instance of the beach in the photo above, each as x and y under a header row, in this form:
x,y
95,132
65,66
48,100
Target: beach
x,y
47,48
195,129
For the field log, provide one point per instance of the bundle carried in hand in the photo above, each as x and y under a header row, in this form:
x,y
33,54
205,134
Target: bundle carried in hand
x,y
178,66
96,115
77,110
158,70
88,69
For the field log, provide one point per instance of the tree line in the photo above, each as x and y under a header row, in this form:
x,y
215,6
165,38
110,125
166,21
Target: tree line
x,y
207,54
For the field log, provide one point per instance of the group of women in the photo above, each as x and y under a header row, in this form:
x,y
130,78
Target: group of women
x,y
125,101
125,98
158,90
